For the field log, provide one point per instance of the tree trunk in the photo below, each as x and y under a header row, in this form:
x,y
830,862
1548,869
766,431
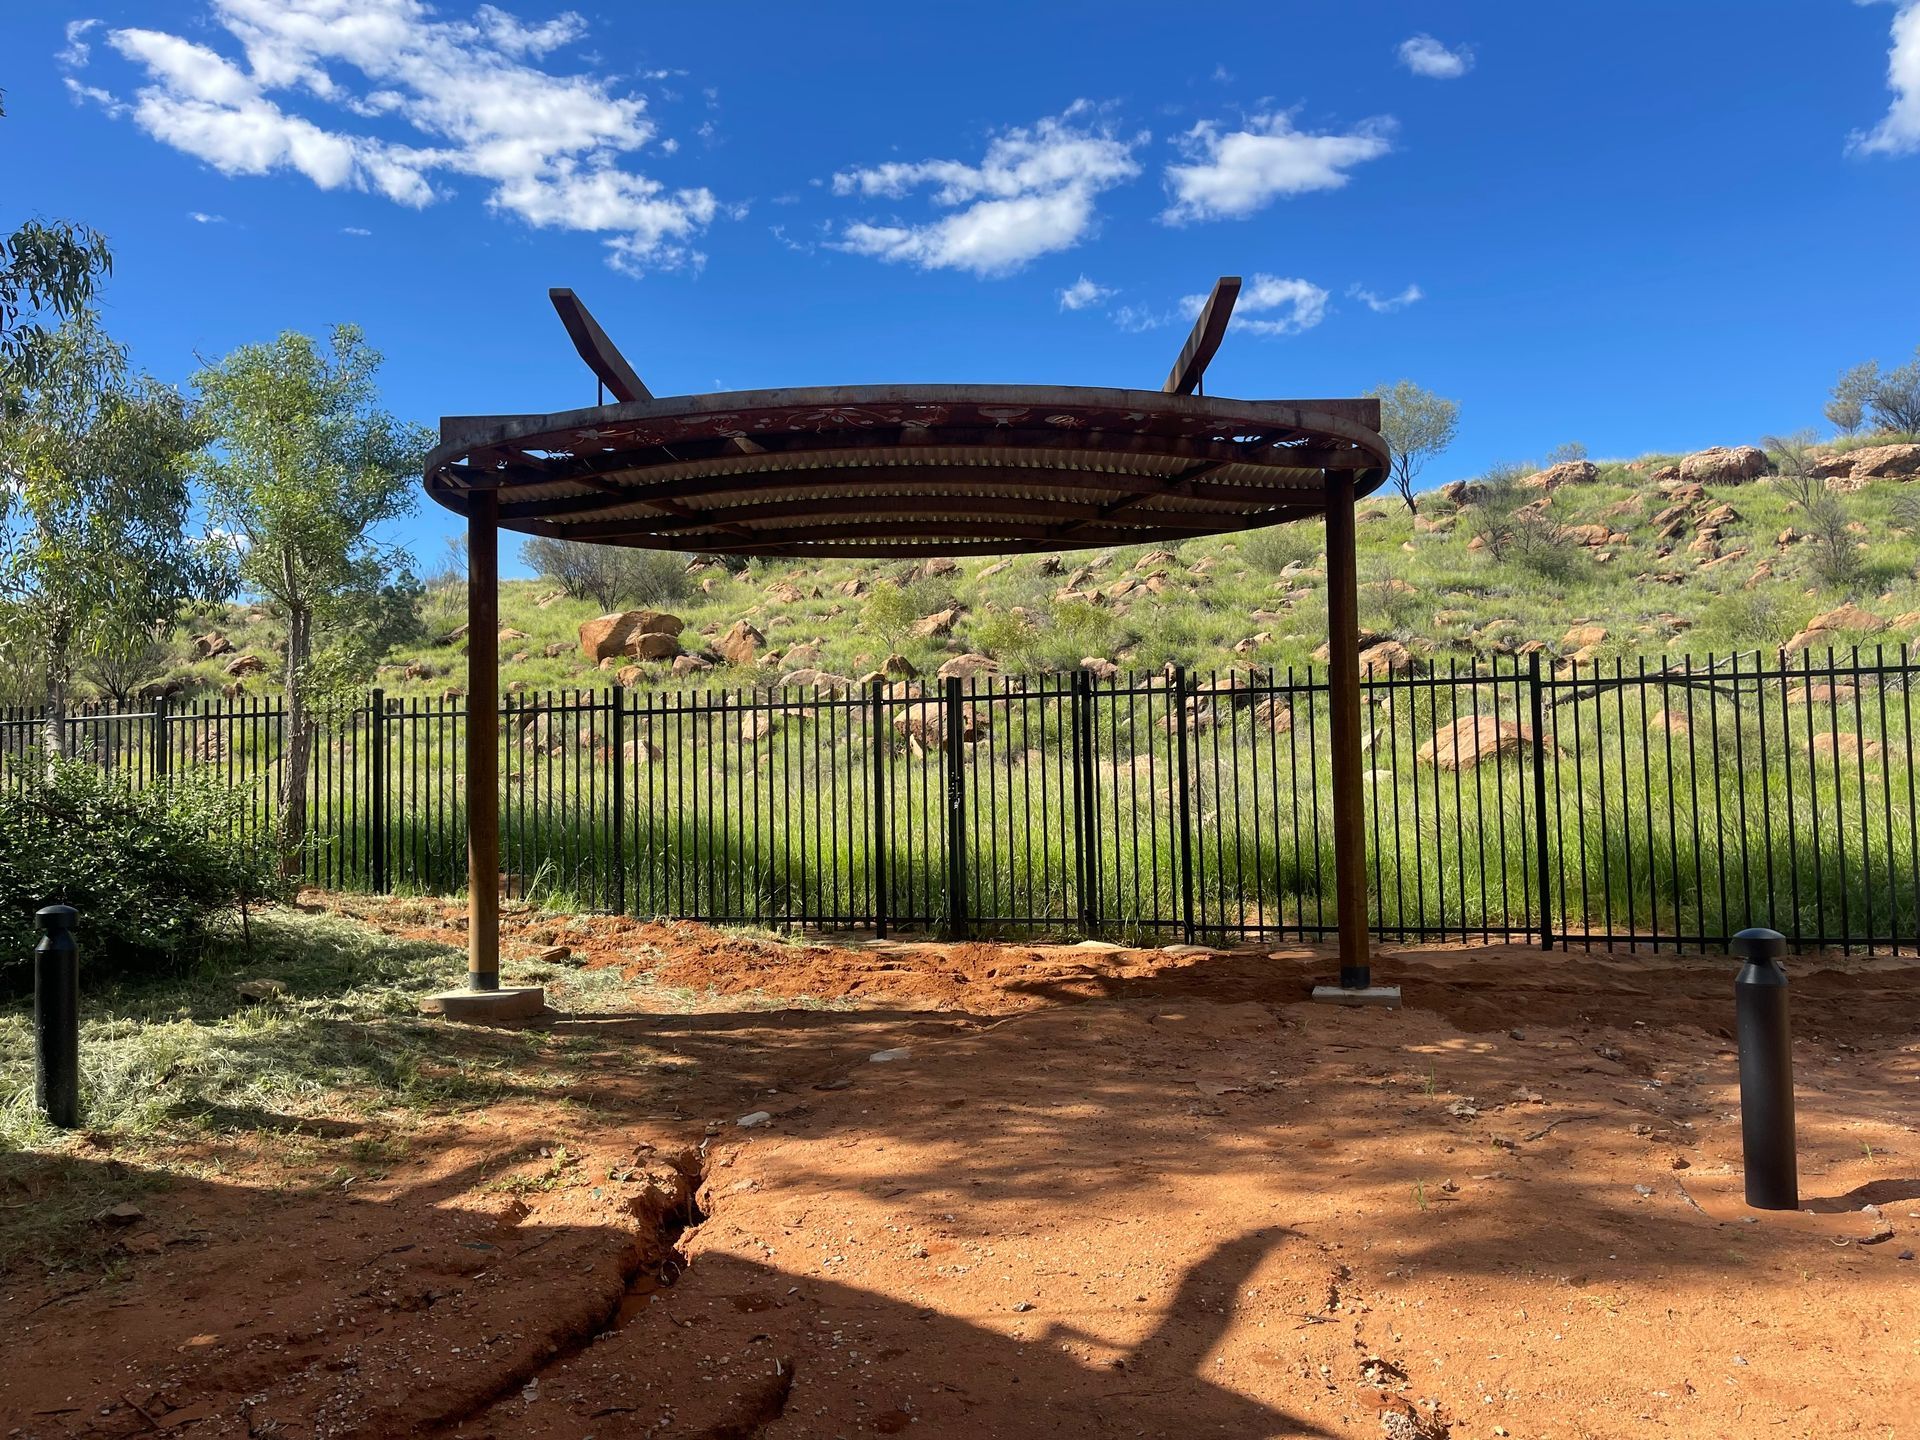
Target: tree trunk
x,y
54,741
299,750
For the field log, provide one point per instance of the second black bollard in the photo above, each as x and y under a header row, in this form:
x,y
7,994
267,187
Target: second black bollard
x,y
1766,1071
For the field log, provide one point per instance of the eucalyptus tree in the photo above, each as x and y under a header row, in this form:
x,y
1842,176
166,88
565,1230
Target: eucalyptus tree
x,y
305,471
48,271
1847,407
96,467
1418,425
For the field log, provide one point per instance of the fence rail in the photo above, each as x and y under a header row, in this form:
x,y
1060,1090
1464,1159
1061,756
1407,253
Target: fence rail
x,y
1599,804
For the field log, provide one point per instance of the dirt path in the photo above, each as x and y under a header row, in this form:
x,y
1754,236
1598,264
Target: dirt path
x,y
1088,1193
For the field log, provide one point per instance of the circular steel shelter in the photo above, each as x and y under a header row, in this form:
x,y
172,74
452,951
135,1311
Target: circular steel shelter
x,y
902,470
916,470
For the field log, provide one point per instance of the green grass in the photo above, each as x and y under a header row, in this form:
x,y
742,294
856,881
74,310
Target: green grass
x,y
345,1037
325,1080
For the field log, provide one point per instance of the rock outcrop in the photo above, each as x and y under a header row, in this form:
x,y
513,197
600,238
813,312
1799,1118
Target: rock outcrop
x,y
1472,739
642,634
966,667
1874,462
1826,629
1725,465
1567,472
741,644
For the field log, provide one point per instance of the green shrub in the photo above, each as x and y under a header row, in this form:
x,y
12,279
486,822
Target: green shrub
x,y
888,615
1537,547
1005,636
151,871
1278,546
610,575
1750,617
1074,630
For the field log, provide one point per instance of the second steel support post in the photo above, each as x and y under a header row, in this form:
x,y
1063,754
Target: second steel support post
x,y
1343,693
483,741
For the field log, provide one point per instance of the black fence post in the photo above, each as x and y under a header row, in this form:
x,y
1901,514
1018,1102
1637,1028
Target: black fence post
x,y
878,872
56,1017
1766,1071
162,751
1179,680
1082,867
956,814
1090,788
1538,709
377,788
617,735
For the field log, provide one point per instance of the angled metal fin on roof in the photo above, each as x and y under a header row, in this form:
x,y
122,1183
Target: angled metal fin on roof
x,y
603,357
1209,328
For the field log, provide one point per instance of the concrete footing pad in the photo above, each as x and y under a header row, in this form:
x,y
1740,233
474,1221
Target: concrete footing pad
x,y
1385,996
487,1007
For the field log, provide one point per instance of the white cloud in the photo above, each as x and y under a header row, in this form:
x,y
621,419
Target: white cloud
x,y
1386,304
1424,55
95,95
356,230
77,51
1083,293
466,97
1234,173
201,217
1899,132
802,247
1289,306
1032,193
1136,318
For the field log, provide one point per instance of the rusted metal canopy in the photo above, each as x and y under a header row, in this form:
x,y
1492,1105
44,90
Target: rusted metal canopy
x,y
907,469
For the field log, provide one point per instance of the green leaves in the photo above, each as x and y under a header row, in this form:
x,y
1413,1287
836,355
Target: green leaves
x,y
150,870
305,471
1418,425
95,485
46,271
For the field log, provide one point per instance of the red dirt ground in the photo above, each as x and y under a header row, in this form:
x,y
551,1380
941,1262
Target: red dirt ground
x,y
1100,1193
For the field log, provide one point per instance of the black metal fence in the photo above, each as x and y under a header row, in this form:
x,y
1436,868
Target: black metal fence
x,y
1598,804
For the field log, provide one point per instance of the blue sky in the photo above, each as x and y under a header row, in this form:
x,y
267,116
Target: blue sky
x,y
1634,225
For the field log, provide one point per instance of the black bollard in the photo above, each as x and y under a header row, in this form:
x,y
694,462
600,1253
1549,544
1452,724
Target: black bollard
x,y
56,1016
1766,1071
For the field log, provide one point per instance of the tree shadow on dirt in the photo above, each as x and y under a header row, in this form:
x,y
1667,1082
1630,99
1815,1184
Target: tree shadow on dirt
x,y
740,1344
399,1317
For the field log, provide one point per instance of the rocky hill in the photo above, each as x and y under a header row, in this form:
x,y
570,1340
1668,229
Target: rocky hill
x,y
1655,557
